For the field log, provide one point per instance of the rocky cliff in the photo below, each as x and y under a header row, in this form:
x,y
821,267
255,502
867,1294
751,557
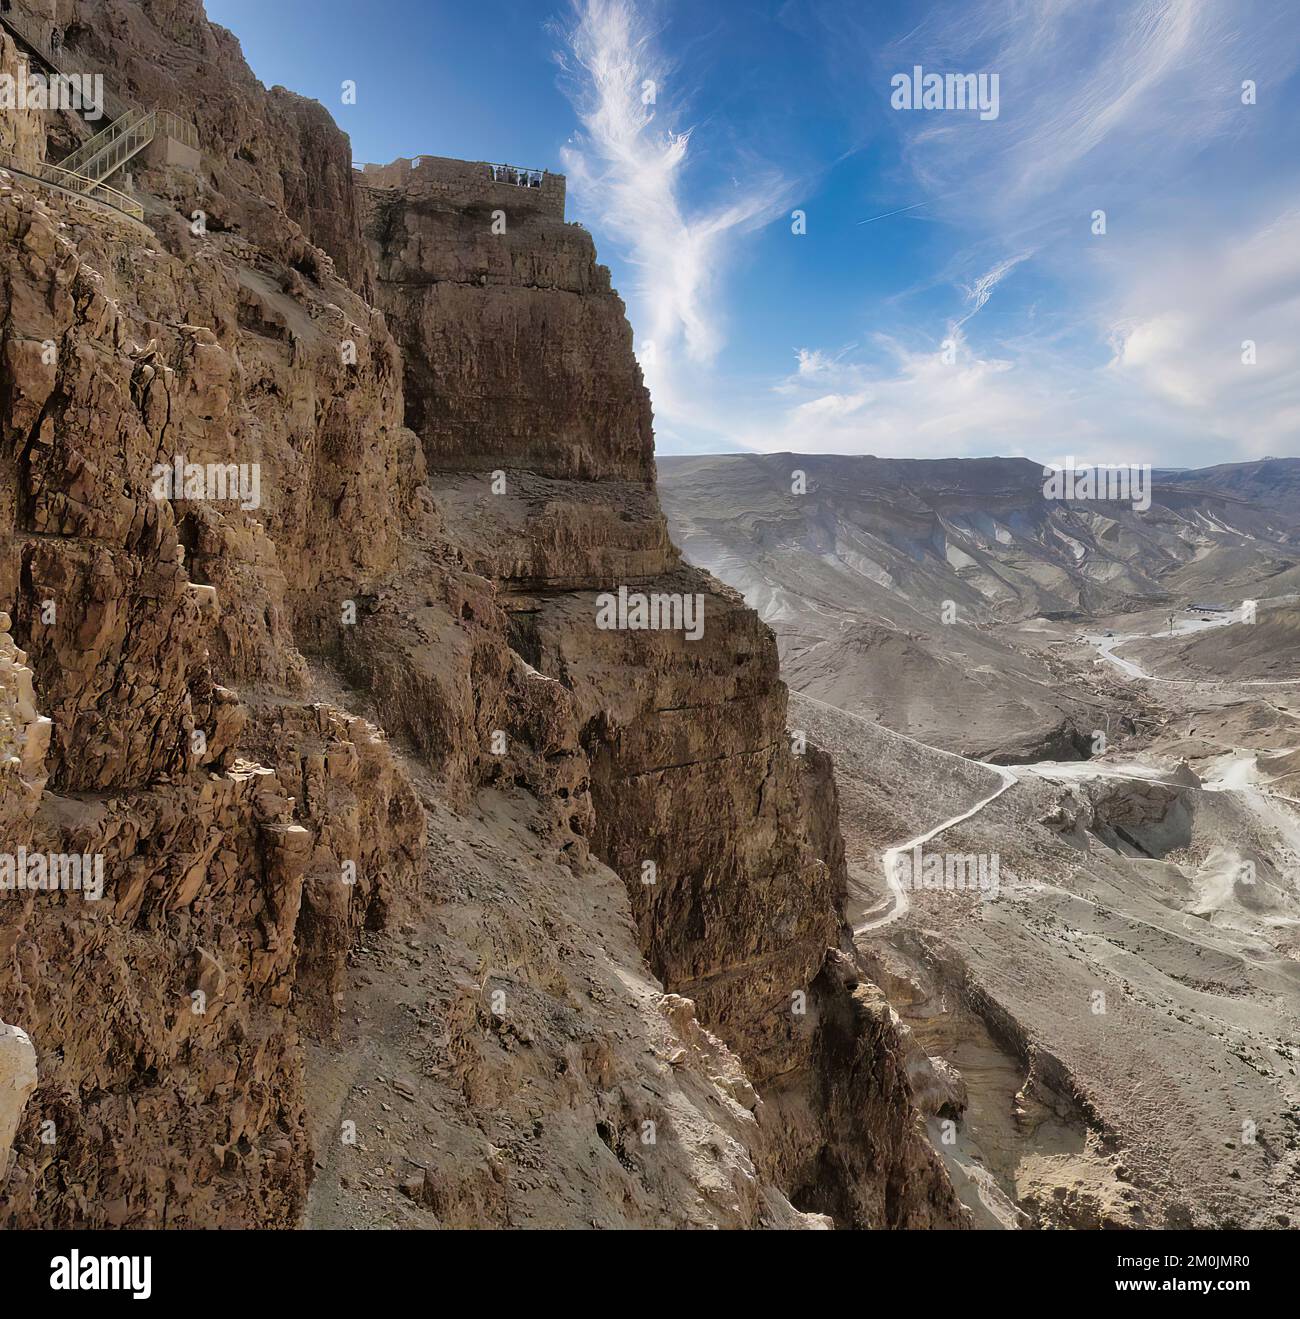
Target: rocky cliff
x,y
728,843
360,774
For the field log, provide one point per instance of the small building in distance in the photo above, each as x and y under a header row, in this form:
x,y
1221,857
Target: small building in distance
x,y
1210,609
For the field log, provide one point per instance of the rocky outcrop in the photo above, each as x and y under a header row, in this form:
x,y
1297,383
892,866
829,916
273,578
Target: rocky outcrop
x,y
529,362
727,842
17,1081
275,169
344,703
242,829
22,130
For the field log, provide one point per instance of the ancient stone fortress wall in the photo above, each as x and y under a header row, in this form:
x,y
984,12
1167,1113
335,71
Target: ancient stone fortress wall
x,y
464,182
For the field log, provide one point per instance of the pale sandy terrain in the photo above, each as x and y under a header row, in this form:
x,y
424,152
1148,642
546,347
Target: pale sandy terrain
x,y
897,589
1120,880
1108,1036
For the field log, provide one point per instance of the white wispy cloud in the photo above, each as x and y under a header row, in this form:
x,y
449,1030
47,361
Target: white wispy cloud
x,y
1130,348
1197,309
627,167
978,293
1113,107
1079,80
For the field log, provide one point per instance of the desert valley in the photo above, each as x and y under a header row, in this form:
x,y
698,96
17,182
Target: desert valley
x,y
1113,1014
423,805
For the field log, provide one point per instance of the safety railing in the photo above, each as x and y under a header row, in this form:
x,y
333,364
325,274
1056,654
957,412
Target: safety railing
x,y
108,151
172,125
78,185
89,149
84,170
134,137
520,178
37,39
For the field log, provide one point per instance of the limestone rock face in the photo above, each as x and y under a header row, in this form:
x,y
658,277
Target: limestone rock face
x,y
275,169
24,740
324,705
17,1081
158,721
521,363
529,359
22,131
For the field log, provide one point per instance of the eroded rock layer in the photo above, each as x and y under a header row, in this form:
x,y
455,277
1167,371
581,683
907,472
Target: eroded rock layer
x,y
342,748
728,843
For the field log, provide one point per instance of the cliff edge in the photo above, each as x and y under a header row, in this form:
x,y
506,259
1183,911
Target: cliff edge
x,y
408,889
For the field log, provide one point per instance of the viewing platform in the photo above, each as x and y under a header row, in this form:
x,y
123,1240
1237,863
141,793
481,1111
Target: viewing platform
x,y
464,182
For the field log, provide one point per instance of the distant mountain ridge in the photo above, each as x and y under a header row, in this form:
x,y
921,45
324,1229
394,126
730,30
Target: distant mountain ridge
x,y
1272,481
887,580
977,531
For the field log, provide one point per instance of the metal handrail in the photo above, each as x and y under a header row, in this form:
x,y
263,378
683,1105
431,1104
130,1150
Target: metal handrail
x,y
80,185
112,157
172,125
523,178
92,188
86,159
100,156
131,129
93,146
31,37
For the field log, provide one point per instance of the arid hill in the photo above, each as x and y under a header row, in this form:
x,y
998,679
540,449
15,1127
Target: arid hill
x,y
891,583
1104,1035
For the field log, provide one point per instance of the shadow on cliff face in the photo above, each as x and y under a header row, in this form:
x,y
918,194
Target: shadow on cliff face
x,y
540,464
880,1171
257,831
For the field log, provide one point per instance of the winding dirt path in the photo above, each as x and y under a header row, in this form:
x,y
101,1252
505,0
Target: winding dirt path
x,y
1186,627
900,902
890,858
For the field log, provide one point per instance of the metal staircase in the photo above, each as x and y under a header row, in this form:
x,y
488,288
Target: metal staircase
x,y
30,34
86,170
107,152
77,185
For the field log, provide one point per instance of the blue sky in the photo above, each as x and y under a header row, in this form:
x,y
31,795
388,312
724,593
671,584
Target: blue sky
x,y
985,318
